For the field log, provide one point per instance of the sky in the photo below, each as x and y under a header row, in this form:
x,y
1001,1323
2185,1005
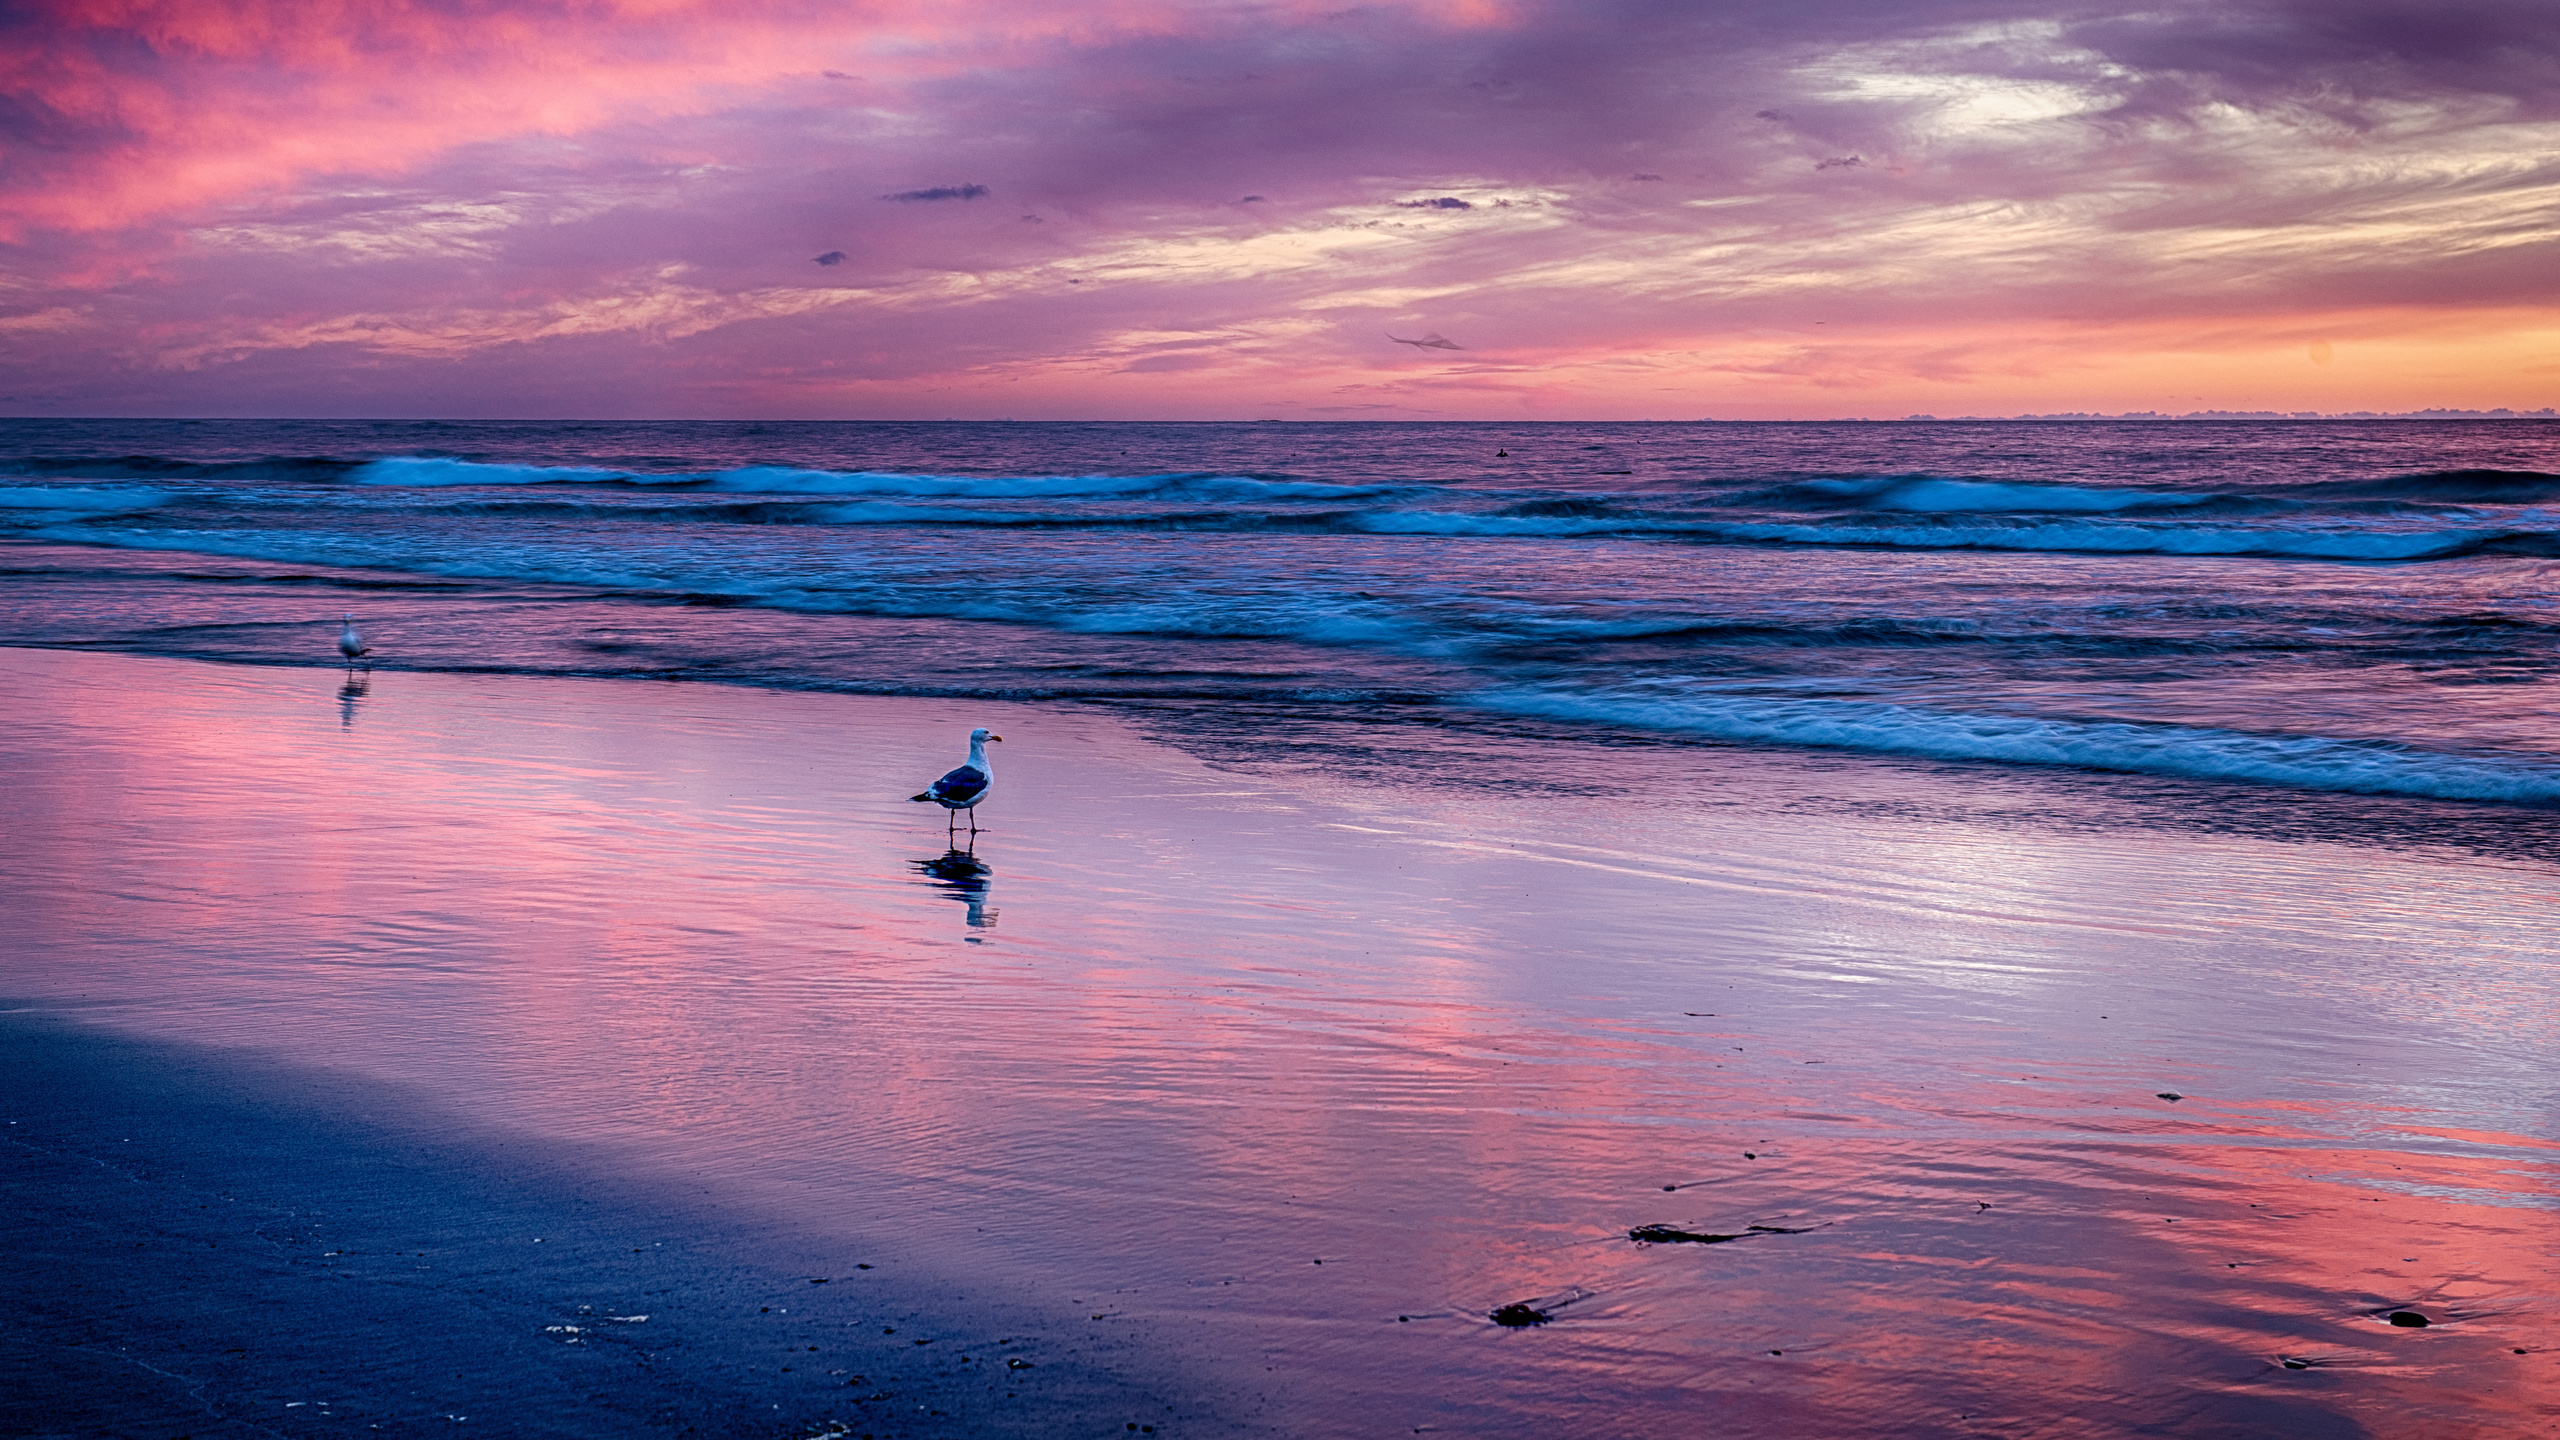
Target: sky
x,y
1153,209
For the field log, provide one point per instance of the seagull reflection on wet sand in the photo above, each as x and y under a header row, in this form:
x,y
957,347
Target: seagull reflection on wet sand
x,y
963,876
359,684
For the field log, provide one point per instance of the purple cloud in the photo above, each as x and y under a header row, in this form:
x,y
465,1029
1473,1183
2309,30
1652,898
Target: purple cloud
x,y
2223,167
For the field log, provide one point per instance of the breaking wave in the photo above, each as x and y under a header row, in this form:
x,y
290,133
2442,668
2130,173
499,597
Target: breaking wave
x,y
161,467
2444,487
1937,495
424,470
2118,537
428,471
49,506
2368,767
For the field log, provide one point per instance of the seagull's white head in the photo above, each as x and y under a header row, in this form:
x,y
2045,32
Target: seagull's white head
x,y
982,735
350,619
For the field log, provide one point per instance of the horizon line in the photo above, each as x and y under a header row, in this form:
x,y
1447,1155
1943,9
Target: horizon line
x,y
2060,417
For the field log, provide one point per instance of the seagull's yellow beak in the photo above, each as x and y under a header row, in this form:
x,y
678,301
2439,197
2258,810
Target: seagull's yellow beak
x,y
995,737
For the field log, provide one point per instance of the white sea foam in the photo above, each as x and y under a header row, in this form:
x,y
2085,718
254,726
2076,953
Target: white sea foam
x,y
2316,762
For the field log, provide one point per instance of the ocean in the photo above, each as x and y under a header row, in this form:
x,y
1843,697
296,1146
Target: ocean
x,y
2346,607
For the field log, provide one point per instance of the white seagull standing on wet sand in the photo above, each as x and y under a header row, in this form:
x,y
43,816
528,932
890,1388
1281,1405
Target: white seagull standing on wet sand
x,y
351,642
963,788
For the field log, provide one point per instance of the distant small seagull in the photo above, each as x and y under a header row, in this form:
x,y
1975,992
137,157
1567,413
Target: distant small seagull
x,y
351,642
963,788
1431,340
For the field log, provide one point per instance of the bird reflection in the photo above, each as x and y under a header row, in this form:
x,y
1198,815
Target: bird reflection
x,y
964,876
359,684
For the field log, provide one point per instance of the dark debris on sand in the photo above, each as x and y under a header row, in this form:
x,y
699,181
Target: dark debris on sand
x,y
1674,1235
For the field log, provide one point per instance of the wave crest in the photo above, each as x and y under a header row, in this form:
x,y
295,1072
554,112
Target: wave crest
x,y
1940,495
50,506
431,471
2366,767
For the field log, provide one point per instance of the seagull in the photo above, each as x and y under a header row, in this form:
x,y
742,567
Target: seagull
x,y
1431,340
963,788
351,642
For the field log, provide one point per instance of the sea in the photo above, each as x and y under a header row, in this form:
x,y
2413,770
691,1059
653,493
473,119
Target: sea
x,y
2354,608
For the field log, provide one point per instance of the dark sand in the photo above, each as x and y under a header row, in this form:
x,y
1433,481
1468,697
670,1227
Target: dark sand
x,y
191,1246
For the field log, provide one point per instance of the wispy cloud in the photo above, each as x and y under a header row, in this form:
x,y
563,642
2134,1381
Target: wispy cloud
x,y
1962,205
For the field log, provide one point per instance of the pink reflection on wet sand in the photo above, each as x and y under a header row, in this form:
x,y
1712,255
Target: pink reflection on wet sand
x,y
1451,1044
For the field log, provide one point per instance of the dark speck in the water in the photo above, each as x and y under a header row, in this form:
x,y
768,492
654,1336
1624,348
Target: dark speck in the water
x,y
2296,1362
2171,1095
1520,1313
2408,1319
1747,1155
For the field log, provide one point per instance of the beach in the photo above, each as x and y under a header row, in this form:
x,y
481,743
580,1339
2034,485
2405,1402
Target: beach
x,y
1239,1093
1475,718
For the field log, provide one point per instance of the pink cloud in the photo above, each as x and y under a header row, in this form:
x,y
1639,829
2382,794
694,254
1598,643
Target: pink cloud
x,y
1143,208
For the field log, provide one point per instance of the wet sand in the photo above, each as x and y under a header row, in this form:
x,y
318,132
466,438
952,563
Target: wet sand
x,y
1259,1086
195,1246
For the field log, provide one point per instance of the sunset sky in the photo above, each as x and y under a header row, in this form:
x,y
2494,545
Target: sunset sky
x,y
1617,209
